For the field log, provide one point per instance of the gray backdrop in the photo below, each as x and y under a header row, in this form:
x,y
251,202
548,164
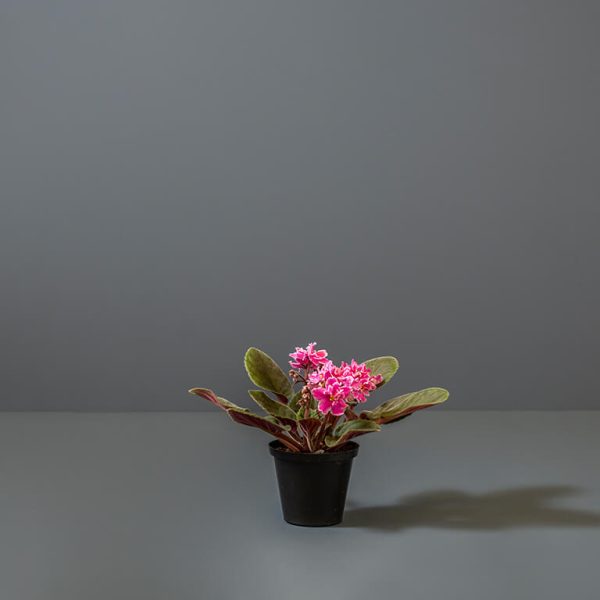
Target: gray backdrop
x,y
181,180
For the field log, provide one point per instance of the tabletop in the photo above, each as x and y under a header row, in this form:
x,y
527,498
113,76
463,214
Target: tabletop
x,y
180,506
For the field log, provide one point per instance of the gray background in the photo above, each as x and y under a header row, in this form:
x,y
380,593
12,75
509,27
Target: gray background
x,y
181,180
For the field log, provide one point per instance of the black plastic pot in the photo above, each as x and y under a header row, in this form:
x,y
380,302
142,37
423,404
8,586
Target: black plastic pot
x,y
313,487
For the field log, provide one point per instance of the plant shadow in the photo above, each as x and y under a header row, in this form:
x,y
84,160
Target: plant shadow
x,y
453,509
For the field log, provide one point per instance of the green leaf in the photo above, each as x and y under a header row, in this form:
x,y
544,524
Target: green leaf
x,y
294,402
241,415
273,407
401,406
266,373
310,426
386,366
350,429
267,424
214,399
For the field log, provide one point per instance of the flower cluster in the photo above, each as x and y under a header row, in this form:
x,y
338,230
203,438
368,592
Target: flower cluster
x,y
334,387
308,358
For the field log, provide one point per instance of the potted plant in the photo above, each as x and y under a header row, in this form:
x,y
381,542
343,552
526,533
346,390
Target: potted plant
x,y
314,412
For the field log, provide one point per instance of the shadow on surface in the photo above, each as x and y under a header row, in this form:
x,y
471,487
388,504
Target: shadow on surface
x,y
451,509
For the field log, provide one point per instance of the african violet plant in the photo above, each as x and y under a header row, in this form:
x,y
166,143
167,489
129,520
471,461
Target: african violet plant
x,y
315,408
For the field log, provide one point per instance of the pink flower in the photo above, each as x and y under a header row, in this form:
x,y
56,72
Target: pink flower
x,y
332,397
334,386
308,358
320,375
362,380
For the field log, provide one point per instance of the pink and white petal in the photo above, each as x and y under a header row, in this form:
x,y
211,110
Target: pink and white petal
x,y
321,394
338,408
324,405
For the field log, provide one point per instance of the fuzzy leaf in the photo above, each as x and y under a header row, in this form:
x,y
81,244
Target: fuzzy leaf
x,y
386,366
214,399
273,407
309,426
266,424
402,406
266,373
294,402
288,424
350,429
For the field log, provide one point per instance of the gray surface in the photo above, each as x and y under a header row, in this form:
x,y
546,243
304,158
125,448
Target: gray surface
x,y
180,180
454,505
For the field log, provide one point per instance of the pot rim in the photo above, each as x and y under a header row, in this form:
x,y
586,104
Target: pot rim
x,y
349,451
